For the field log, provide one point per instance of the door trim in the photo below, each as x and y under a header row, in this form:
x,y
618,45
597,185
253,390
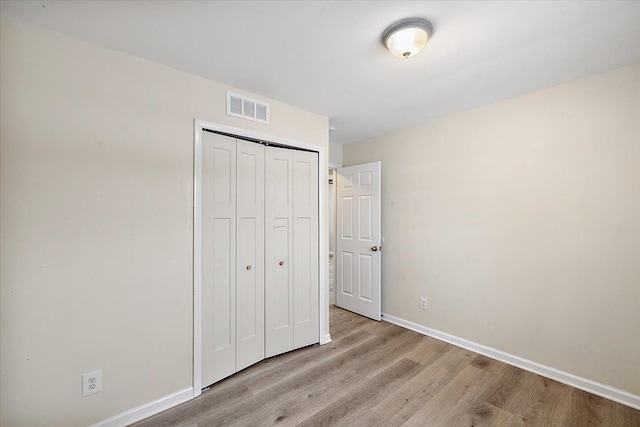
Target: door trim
x,y
323,289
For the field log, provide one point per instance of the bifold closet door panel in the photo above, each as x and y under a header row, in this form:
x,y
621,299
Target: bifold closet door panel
x,y
278,249
305,248
250,253
218,257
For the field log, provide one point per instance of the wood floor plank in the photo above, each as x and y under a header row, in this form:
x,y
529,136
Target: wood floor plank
x,y
401,404
505,381
268,377
293,408
587,410
340,411
451,400
428,350
378,328
365,418
378,374
488,364
480,415
537,400
390,353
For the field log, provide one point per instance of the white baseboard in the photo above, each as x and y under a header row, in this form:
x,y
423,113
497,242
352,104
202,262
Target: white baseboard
x,y
326,339
148,409
585,384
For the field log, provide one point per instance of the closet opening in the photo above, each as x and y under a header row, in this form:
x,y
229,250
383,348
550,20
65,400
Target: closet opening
x,y
264,199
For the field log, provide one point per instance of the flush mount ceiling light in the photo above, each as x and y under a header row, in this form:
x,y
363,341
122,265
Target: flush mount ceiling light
x,y
407,37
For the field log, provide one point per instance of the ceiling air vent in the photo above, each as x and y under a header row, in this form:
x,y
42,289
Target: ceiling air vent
x,y
247,108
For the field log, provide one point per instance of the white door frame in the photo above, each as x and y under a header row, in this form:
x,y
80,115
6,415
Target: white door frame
x,y
323,302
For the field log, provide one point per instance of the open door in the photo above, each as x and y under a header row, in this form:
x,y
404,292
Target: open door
x,y
358,244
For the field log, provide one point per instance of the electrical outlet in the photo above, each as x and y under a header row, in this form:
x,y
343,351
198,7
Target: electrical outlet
x,y
92,382
423,303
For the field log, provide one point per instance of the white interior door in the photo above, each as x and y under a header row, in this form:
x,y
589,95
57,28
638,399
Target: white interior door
x,y
250,254
305,248
218,257
278,250
358,245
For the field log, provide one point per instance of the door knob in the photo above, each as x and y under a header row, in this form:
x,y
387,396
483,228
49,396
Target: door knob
x,y
248,267
374,249
281,263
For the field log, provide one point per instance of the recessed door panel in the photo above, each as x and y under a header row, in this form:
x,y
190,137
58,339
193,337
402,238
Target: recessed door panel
x,y
249,187
280,285
222,272
365,178
302,270
365,218
346,273
302,185
223,184
346,226
347,181
281,181
247,299
364,277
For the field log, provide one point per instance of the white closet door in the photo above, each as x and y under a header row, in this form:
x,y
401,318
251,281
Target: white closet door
x,y
305,248
218,257
278,250
250,253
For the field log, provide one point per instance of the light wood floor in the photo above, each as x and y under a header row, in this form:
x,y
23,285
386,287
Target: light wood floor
x,y
378,374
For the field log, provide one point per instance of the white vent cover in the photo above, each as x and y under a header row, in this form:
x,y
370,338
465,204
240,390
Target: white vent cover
x,y
247,108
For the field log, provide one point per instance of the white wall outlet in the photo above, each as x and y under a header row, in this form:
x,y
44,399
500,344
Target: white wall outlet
x,y
92,382
423,303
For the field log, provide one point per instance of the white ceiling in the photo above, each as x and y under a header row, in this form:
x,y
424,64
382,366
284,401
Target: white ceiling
x,y
327,57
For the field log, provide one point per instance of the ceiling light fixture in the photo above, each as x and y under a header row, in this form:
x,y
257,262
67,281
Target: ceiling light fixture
x,y
407,37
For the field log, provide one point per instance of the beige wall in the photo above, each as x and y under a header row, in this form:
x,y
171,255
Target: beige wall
x,y
96,223
335,153
520,222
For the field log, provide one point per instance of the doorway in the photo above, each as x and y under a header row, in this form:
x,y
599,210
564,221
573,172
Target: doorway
x,y
332,212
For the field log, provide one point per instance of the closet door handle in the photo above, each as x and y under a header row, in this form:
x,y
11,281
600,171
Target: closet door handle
x,y
281,263
248,267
